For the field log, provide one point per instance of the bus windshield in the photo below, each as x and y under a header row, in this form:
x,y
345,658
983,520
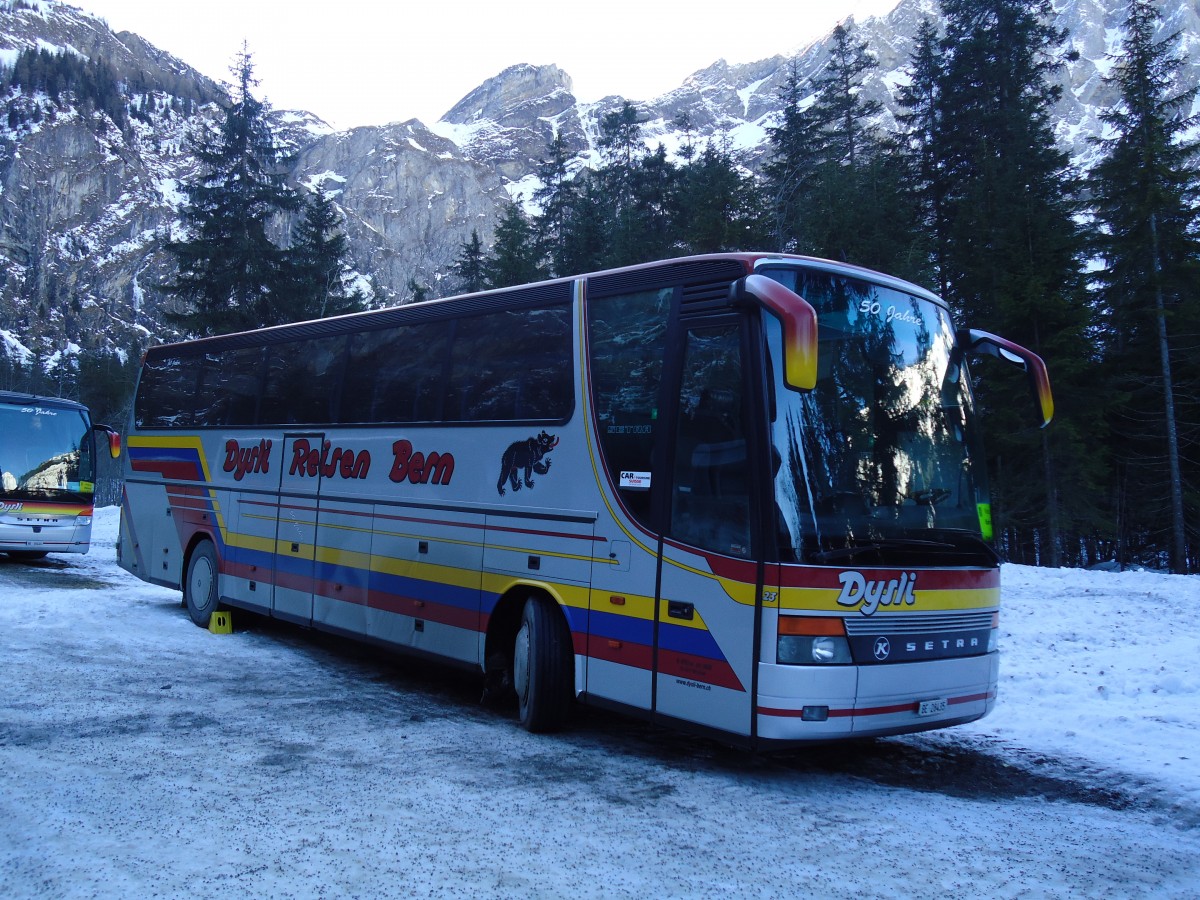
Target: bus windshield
x,y
879,464
45,454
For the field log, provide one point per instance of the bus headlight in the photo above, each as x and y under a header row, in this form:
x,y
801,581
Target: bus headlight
x,y
809,641
83,520
830,650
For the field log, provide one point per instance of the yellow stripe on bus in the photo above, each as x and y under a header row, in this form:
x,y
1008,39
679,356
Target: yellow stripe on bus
x,y
573,595
634,606
825,600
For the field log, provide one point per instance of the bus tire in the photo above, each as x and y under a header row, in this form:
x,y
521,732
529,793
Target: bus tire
x,y
542,659
200,588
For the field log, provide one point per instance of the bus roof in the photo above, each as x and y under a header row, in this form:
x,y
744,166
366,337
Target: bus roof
x,y
534,294
18,399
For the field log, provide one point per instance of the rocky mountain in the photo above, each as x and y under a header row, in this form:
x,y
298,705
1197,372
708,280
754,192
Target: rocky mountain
x,y
87,201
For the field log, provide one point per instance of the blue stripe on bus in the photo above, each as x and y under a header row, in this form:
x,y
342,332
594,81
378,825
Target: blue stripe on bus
x,y
432,591
691,641
577,618
621,628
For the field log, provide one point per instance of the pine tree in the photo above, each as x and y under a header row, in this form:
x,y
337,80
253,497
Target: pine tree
x,y
719,207
555,198
650,232
633,189
840,110
1145,191
621,136
231,276
586,239
920,135
837,183
468,268
796,149
1011,260
515,256
417,292
106,383
316,264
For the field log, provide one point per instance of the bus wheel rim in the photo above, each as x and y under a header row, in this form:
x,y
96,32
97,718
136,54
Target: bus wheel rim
x,y
521,663
202,582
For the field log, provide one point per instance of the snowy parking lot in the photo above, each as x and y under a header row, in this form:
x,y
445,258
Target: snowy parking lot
x,y
142,756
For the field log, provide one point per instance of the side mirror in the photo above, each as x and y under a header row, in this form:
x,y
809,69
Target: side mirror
x,y
114,440
986,344
799,321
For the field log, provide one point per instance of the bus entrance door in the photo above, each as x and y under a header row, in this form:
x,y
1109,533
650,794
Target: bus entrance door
x,y
296,528
705,628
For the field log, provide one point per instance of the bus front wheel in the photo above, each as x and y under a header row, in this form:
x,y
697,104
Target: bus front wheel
x,y
200,588
542,667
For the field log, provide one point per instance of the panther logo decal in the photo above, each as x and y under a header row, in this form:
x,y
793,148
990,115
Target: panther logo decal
x,y
527,455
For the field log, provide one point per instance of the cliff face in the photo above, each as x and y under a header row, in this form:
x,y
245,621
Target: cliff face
x,y
84,213
86,205
409,197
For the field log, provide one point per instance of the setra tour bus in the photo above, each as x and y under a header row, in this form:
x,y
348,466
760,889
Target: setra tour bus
x,y
741,493
47,475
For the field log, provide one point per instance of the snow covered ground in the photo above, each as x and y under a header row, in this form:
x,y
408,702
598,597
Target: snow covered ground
x,y
141,756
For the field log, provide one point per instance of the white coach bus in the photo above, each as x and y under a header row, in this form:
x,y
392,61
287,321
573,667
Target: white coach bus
x,y
47,474
741,493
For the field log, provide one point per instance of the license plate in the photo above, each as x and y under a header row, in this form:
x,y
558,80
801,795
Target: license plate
x,y
931,707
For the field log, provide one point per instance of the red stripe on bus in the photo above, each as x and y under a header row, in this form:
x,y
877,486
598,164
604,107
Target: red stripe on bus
x,y
910,706
828,577
625,653
700,669
679,665
184,471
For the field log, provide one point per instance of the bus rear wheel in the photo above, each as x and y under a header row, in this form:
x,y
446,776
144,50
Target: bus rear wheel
x,y
542,667
200,588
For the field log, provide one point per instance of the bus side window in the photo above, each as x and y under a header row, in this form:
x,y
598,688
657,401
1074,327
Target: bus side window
x,y
303,381
166,392
511,366
396,375
482,362
627,342
230,388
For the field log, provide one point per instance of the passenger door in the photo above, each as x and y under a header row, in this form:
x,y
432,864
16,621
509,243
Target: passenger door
x,y
706,610
627,335
296,528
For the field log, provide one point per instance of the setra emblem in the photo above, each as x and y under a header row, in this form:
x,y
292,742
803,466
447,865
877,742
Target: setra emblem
x,y
883,648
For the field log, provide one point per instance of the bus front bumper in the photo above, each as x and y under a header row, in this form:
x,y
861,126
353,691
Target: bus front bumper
x,y
806,703
34,537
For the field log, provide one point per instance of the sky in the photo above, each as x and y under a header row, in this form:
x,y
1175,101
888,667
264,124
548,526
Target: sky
x,y
143,756
365,63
